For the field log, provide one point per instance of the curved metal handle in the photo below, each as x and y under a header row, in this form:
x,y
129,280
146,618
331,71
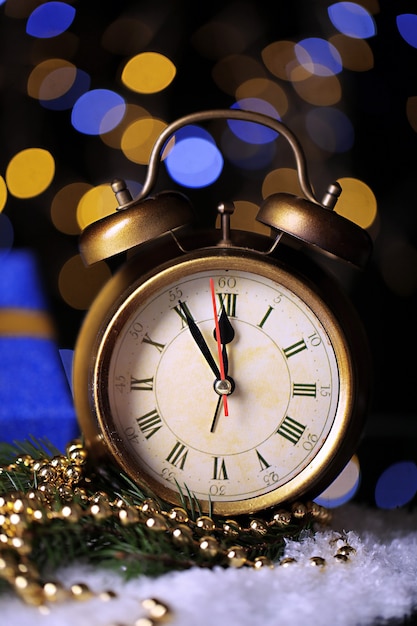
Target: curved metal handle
x,y
236,114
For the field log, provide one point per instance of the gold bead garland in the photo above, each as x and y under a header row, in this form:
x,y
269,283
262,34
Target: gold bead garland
x,y
60,490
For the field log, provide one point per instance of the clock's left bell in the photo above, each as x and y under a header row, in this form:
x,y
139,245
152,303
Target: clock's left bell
x,y
138,223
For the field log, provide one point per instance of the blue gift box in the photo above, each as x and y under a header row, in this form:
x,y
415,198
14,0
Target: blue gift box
x,y
35,397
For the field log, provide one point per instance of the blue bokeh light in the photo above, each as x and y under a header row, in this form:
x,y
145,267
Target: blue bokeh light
x,y
98,111
50,20
195,160
330,129
80,86
407,27
352,20
252,132
397,485
318,57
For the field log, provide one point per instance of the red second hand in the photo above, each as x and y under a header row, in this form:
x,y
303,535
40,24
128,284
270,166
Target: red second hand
x,y
219,344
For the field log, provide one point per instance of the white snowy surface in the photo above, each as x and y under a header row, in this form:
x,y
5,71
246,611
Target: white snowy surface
x,y
378,583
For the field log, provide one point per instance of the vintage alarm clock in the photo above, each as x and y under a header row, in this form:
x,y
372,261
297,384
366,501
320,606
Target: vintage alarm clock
x,y
223,366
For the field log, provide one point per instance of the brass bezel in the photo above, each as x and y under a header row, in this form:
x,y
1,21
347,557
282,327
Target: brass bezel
x,y
114,305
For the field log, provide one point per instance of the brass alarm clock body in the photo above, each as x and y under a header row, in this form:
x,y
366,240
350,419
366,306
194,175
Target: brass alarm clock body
x,y
148,387
223,366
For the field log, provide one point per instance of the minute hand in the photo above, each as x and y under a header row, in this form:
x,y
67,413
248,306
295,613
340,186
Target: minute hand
x,y
200,341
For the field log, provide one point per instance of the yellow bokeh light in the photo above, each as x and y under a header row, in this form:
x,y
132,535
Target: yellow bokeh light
x,y
264,89
279,57
64,207
284,179
244,218
114,137
30,172
357,202
356,54
232,71
139,139
411,112
149,72
95,204
319,90
79,285
51,79
3,193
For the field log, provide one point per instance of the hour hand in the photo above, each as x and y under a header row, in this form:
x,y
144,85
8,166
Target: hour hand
x,y
199,339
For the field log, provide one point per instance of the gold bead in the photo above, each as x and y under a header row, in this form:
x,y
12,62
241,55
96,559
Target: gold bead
x,y
47,473
65,492
231,528
129,515
73,445
143,621
105,596
70,512
341,558
209,546
261,562
258,527
281,518
73,473
179,515
317,561
29,590
205,523
346,550
149,506
236,556
182,535
78,456
81,592
8,565
157,522
54,592
288,560
299,510
156,609
101,511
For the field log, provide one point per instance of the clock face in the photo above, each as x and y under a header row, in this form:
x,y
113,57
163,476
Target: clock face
x,y
161,376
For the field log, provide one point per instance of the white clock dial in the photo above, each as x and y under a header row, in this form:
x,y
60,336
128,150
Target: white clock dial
x,y
282,368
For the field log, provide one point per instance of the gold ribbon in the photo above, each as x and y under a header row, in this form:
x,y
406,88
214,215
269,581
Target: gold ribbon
x,y
25,323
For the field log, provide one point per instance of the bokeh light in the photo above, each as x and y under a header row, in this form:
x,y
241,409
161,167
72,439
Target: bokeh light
x,y
78,284
3,193
139,138
98,111
30,172
149,72
330,129
407,27
265,90
318,56
253,132
397,485
50,19
356,54
64,207
229,73
357,202
96,203
51,79
133,113
194,161
283,179
352,20
343,488
244,218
